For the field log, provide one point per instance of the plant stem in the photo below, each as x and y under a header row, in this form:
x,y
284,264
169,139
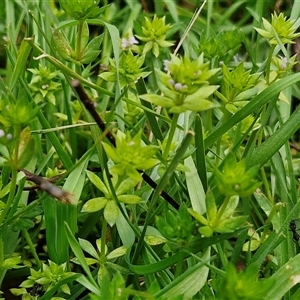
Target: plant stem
x,y
32,248
78,41
268,65
170,136
103,238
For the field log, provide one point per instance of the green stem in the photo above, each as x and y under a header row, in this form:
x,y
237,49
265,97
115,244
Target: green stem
x,y
32,248
67,71
268,65
1,251
170,136
78,41
160,186
153,65
103,239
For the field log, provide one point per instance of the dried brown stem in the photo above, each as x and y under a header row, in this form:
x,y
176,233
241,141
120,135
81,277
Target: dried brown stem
x,y
47,186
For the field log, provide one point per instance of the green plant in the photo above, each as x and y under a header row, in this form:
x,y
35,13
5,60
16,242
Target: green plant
x,y
133,170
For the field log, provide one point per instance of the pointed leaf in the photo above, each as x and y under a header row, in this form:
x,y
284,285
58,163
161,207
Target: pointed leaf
x,y
117,252
84,36
231,206
88,247
97,182
94,204
198,216
129,199
126,185
158,100
230,224
111,212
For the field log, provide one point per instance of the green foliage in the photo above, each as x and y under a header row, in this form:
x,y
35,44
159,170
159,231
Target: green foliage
x,y
243,285
81,9
111,210
42,84
237,87
237,178
154,34
186,86
219,220
130,155
84,52
132,170
178,228
280,29
129,69
223,46
46,278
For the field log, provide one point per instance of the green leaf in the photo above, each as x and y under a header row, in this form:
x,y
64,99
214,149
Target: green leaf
x,y
91,51
198,216
117,252
126,185
206,231
188,283
97,182
111,212
194,185
231,206
80,256
211,206
95,43
11,263
154,240
129,199
94,204
84,36
89,56
22,223
22,60
231,224
255,104
251,245
88,247
111,152
158,100
269,147
61,45
26,148
284,279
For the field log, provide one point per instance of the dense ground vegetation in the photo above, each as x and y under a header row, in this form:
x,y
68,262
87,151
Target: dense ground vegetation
x,y
149,149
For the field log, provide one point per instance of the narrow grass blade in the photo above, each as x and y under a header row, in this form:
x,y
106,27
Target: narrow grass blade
x,y
190,282
57,213
79,253
284,279
200,152
141,88
21,62
255,104
268,148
